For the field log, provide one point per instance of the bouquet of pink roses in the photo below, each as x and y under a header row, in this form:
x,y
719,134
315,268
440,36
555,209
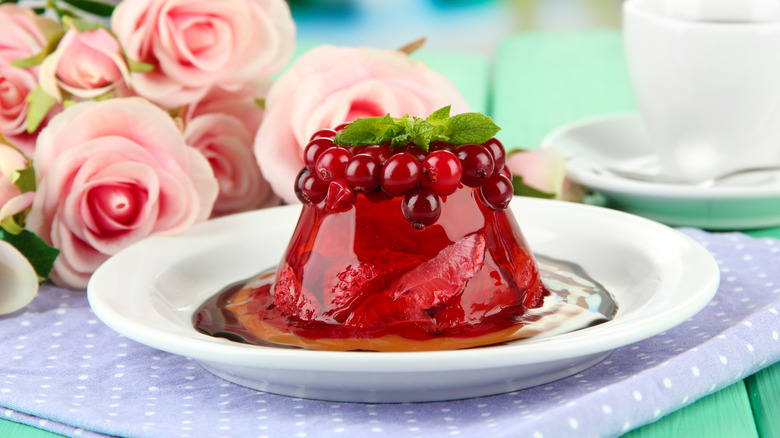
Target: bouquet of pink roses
x,y
111,133
164,118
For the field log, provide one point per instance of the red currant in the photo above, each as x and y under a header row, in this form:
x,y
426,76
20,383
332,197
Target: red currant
x,y
340,196
324,133
421,207
313,150
332,163
400,173
440,145
497,151
477,164
412,150
340,127
496,192
308,188
441,172
362,173
380,153
506,172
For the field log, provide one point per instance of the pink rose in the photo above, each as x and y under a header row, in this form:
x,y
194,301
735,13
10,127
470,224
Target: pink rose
x,y
544,170
109,174
22,34
86,65
15,84
241,104
20,282
330,85
12,201
195,45
227,144
223,126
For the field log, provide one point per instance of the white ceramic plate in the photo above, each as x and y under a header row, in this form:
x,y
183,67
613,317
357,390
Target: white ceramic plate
x,y
749,201
150,291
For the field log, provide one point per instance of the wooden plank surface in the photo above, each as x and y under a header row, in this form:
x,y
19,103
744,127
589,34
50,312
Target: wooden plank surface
x,y
764,392
16,430
725,413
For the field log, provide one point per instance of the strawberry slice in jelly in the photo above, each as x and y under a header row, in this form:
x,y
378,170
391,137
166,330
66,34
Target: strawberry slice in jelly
x,y
291,299
436,281
382,312
354,282
349,287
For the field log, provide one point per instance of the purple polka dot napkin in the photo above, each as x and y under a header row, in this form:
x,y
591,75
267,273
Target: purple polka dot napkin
x,y
62,370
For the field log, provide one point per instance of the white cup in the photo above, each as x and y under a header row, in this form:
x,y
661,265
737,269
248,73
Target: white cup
x,y
706,75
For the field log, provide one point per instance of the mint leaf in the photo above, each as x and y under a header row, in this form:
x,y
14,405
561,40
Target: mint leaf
x,y
470,128
439,116
423,133
40,254
368,131
521,189
439,126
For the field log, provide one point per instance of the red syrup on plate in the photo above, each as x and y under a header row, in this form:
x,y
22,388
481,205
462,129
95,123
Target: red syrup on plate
x,y
366,279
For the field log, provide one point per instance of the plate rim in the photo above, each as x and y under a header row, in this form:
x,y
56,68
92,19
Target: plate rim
x,y
544,350
644,189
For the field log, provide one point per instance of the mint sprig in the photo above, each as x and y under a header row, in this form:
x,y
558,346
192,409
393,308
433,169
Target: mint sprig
x,y
439,126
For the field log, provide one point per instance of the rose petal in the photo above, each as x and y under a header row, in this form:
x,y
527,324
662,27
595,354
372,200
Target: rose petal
x,y
227,145
20,282
16,205
543,169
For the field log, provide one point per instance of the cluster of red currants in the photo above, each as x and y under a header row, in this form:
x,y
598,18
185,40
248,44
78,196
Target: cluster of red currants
x,y
337,174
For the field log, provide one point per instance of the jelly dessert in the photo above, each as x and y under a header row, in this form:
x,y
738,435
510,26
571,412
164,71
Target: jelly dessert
x,y
404,243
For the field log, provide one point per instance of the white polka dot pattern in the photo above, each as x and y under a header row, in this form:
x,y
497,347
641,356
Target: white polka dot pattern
x,y
63,370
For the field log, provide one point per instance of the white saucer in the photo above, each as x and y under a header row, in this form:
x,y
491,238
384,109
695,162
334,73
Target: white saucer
x,y
621,141
149,292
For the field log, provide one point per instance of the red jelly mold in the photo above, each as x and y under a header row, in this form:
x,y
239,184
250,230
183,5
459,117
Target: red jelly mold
x,y
365,278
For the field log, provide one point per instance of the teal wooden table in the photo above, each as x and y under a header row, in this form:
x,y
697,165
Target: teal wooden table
x,y
538,82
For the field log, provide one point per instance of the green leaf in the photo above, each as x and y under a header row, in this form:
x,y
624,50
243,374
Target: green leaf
x,y
93,7
439,116
80,24
138,66
12,225
260,102
439,126
25,179
37,59
30,61
423,133
40,254
470,128
368,131
521,189
40,104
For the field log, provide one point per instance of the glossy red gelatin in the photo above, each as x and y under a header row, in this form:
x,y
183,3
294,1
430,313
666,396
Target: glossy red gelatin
x,y
366,279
